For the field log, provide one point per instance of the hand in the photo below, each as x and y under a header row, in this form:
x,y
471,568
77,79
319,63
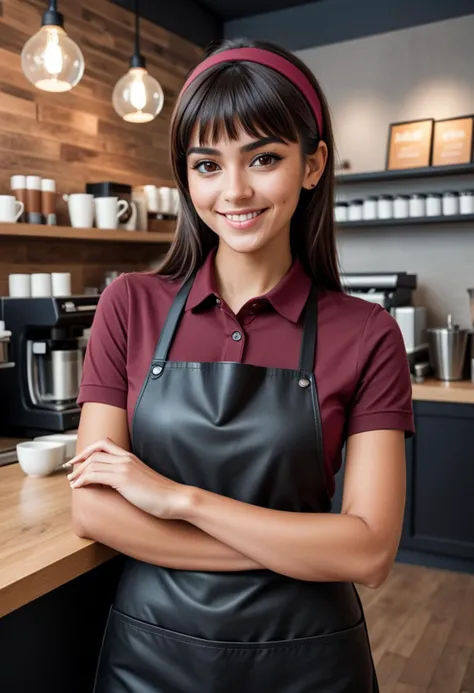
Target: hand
x,y
106,463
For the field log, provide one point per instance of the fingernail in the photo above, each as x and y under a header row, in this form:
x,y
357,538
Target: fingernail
x,y
66,465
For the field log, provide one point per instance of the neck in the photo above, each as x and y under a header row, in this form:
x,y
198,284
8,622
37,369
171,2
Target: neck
x,y
243,276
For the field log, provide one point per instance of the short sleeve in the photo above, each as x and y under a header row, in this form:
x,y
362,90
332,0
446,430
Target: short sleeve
x,y
104,376
383,396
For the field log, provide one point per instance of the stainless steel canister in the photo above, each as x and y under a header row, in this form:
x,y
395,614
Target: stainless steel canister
x,y
447,346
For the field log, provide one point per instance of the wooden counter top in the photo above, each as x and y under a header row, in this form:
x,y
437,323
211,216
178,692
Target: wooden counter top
x,y
38,548
460,392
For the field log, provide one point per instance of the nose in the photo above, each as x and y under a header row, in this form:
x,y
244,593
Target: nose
x,y
236,186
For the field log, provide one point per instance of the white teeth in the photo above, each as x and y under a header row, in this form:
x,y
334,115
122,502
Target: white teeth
x,y
242,217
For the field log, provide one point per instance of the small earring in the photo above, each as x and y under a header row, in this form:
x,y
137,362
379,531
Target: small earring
x,y
313,184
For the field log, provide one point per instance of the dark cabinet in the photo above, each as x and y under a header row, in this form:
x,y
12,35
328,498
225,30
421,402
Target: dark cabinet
x,y
441,509
438,526
52,644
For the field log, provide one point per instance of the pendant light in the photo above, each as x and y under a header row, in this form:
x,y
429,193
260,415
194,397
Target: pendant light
x,y
137,96
50,59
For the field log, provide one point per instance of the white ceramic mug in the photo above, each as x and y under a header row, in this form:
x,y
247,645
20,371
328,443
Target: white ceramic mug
x,y
61,283
130,224
40,457
81,209
108,210
11,209
41,285
19,285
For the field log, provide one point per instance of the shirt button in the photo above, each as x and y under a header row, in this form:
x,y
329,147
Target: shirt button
x,y
236,336
218,301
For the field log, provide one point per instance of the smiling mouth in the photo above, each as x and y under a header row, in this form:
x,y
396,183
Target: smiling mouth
x,y
243,217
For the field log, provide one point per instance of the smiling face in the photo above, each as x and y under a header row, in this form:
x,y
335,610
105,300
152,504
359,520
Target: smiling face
x,y
246,190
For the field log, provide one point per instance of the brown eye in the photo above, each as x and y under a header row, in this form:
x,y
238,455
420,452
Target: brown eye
x,y
266,160
205,167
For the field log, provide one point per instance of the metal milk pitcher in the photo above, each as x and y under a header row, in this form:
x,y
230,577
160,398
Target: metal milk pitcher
x,y
447,347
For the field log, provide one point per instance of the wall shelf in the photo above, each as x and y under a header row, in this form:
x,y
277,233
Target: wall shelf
x,y
405,174
407,221
99,235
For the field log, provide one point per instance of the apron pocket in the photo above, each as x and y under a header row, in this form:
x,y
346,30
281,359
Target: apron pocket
x,y
138,657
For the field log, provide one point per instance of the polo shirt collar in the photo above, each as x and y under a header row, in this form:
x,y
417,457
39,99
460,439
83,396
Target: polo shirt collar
x,y
288,297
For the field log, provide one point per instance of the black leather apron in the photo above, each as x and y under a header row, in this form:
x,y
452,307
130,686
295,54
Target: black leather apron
x,y
252,434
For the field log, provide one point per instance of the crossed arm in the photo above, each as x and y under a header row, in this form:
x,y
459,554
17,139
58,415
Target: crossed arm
x,y
220,534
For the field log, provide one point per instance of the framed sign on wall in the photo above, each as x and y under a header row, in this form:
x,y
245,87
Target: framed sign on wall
x,y
409,144
452,141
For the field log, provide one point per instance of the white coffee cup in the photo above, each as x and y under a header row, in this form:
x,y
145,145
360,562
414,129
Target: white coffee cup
x,y
39,457
108,210
81,209
19,285
10,208
152,198
69,441
166,200
41,285
175,200
61,283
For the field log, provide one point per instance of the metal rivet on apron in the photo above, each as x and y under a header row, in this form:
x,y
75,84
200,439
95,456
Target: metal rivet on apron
x,y
304,382
157,370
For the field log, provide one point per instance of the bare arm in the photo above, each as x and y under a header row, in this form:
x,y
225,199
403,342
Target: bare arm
x,y
102,514
357,545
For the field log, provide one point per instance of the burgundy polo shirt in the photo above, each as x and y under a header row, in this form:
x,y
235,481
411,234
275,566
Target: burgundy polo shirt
x,y
361,365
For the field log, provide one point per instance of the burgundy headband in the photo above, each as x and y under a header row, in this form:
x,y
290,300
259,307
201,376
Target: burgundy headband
x,y
275,62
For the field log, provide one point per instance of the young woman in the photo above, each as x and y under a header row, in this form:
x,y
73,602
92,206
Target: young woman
x,y
222,389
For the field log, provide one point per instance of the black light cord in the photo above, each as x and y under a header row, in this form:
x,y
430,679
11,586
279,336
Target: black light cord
x,y
137,60
137,28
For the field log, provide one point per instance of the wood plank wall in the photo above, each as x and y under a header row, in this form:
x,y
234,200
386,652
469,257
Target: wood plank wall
x,y
77,137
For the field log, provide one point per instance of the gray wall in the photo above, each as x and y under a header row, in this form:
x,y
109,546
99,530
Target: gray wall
x,y
426,71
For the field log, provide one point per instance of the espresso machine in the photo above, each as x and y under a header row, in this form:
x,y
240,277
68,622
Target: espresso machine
x,y
394,291
47,347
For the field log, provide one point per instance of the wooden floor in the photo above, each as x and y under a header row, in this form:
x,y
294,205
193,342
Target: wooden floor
x,y
421,628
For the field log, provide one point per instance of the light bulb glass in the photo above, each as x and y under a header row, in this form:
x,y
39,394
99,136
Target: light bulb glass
x,y
138,93
137,96
51,60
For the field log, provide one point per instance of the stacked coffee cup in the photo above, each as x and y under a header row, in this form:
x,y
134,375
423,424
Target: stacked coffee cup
x,y
39,285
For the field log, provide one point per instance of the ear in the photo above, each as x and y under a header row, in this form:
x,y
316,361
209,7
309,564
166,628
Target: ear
x,y
314,166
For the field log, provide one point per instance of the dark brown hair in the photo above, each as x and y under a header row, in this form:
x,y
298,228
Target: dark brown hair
x,y
241,94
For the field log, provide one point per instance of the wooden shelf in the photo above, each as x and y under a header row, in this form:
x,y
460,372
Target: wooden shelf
x,y
100,235
404,174
407,221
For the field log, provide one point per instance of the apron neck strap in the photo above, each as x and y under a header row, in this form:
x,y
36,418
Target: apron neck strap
x,y
308,342
310,332
171,324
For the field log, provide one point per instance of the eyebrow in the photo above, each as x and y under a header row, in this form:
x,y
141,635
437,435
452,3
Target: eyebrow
x,y
264,141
